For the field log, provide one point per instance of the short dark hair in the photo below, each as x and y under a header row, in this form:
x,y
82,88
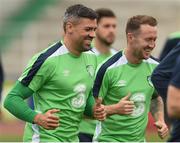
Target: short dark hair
x,y
135,22
104,12
74,12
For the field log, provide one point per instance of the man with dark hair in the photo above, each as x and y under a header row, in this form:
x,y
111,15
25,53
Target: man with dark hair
x,y
161,78
123,83
102,47
60,79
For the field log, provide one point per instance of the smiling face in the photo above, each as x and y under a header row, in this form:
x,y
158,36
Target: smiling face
x,y
82,33
143,41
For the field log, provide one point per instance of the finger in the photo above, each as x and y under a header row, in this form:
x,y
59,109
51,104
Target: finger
x,y
128,110
130,103
50,128
126,97
52,125
53,117
99,109
52,121
99,114
159,126
163,135
165,132
53,111
101,118
129,106
162,129
98,101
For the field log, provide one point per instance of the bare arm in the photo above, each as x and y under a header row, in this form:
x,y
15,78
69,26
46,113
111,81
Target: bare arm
x,y
173,99
157,110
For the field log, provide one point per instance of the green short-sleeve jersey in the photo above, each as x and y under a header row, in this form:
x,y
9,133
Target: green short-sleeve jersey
x,y
63,81
88,125
114,80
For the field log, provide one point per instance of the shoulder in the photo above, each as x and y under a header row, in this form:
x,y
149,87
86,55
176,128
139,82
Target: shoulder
x,y
51,53
114,61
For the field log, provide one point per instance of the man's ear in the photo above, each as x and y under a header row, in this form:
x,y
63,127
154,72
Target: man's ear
x,y
69,28
130,36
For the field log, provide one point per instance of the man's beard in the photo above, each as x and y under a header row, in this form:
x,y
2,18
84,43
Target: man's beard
x,y
106,42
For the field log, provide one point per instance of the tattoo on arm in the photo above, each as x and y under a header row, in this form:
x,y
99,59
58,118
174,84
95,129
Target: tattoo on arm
x,y
157,108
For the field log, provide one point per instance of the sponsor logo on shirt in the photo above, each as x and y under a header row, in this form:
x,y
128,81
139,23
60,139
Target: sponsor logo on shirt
x,y
79,100
139,102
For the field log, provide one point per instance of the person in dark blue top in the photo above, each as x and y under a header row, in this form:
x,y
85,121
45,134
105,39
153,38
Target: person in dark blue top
x,y
173,95
161,78
171,42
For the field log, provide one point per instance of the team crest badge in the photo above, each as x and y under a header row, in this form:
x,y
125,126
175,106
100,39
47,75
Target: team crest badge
x,y
90,70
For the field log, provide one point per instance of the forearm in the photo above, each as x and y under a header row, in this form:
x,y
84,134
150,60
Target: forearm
x,y
157,109
16,105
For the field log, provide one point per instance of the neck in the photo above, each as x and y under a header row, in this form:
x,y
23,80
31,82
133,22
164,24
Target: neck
x,y
131,56
102,47
71,46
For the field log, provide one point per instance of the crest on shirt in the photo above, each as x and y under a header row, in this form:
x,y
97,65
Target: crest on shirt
x,y
149,81
90,70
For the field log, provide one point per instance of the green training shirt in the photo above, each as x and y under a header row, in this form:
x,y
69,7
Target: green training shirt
x,y
114,80
63,81
88,125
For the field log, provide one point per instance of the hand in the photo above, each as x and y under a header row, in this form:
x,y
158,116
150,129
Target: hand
x,y
99,110
162,129
48,120
124,106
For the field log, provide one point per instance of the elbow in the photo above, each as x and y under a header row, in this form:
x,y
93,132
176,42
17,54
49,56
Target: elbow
x,y
9,103
6,103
